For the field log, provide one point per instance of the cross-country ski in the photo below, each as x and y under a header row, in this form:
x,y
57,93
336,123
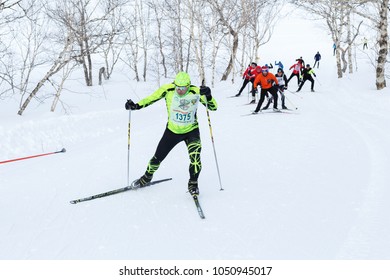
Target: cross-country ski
x,y
116,191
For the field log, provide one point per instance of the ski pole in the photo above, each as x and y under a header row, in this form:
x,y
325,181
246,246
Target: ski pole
x,y
34,156
296,108
317,80
295,94
212,140
215,153
249,90
128,149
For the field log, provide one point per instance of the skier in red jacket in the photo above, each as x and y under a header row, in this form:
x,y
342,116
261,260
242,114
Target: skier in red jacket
x,y
248,76
296,72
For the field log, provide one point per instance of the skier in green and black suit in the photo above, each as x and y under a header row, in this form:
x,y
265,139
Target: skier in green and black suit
x,y
306,73
182,101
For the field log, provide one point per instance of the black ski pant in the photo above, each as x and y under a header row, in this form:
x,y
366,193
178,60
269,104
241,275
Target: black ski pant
x,y
317,62
273,91
292,75
303,82
246,81
282,97
168,141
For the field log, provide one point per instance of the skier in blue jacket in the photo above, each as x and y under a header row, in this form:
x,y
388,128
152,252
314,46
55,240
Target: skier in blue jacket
x,y
317,59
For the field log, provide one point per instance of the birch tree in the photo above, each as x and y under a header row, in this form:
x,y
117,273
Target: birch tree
x,y
383,41
11,12
176,18
131,49
198,23
87,21
66,72
159,41
379,20
232,18
330,11
336,14
113,30
25,37
62,60
264,14
144,20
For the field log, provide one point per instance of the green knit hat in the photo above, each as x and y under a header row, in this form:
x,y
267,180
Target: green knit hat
x,y
182,79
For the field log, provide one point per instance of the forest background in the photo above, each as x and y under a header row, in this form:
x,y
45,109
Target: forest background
x,y
152,40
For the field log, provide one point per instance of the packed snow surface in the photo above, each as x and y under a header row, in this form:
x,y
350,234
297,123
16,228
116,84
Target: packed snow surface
x,y
310,183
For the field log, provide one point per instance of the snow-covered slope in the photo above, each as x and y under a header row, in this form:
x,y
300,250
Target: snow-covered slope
x,y
308,184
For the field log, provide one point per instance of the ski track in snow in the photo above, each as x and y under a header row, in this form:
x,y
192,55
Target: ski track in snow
x,y
368,226
262,213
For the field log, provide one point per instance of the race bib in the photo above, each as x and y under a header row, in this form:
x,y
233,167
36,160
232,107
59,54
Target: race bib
x,y
183,109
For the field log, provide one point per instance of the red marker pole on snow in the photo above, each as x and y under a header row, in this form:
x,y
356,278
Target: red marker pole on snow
x,y
34,156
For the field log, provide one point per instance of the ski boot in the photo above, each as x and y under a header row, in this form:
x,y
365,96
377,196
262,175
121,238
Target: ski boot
x,y
193,188
141,182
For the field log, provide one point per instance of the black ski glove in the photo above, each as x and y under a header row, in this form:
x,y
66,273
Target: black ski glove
x,y
130,105
206,91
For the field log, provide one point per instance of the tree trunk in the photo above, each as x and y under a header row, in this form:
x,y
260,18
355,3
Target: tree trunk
x,y
232,56
349,36
57,96
345,64
383,46
160,44
59,63
89,59
338,62
102,74
53,70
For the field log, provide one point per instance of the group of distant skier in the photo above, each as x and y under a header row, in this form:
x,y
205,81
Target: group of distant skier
x,y
270,84
182,100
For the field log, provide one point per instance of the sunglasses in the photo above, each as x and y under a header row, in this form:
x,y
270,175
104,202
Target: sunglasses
x,y
181,88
